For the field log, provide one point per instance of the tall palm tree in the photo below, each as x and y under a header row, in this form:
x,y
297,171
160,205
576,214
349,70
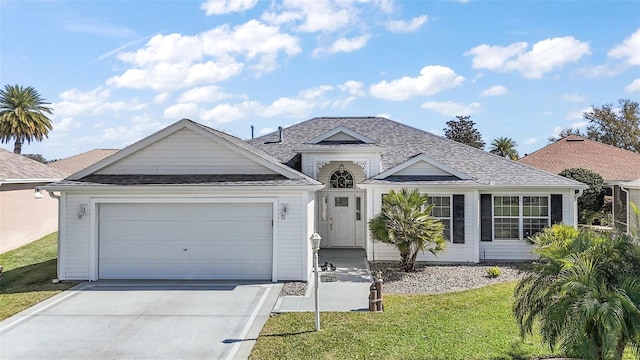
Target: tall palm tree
x,y
23,116
504,146
405,222
584,293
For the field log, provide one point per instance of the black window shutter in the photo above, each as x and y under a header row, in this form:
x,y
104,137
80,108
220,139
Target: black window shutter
x,y
486,233
458,219
556,208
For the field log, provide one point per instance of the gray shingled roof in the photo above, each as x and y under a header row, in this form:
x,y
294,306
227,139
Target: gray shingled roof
x,y
403,142
17,167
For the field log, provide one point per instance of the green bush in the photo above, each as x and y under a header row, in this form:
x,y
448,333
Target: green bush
x,y
494,272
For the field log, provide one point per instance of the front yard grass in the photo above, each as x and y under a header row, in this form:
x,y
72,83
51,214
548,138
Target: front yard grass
x,y
28,272
474,324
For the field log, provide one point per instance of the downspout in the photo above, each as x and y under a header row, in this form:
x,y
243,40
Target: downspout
x,y
57,197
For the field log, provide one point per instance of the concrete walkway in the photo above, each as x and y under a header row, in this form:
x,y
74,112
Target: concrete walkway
x,y
344,289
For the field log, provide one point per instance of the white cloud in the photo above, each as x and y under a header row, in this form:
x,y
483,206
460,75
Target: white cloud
x,y
176,61
316,92
65,125
633,86
530,141
97,27
92,103
343,103
203,94
121,136
313,16
573,97
450,108
432,80
295,108
544,56
577,114
344,45
224,113
218,7
181,111
629,50
400,26
494,91
161,97
352,87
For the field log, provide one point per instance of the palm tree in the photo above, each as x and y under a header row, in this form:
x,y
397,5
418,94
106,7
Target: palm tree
x,y
584,293
505,147
405,222
22,116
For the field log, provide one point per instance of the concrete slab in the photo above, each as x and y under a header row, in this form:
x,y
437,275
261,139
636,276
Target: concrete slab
x,y
344,289
142,320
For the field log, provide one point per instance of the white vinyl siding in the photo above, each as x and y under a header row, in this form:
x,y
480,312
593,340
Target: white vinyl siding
x,y
186,152
422,168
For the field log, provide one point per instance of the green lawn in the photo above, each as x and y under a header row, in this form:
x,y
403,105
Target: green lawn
x,y
475,324
28,272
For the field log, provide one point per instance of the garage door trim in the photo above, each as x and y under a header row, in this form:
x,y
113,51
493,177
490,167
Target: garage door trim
x,y
93,214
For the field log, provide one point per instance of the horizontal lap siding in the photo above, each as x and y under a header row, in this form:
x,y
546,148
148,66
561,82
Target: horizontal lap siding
x,y
506,250
453,253
76,240
291,240
171,155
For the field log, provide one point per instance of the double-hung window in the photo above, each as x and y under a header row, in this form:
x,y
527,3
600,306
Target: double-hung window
x,y
519,217
442,211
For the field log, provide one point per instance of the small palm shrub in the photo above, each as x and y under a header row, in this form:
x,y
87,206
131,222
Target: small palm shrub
x,y
494,272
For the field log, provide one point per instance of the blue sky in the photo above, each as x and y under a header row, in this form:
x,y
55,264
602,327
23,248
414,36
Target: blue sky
x,y
117,71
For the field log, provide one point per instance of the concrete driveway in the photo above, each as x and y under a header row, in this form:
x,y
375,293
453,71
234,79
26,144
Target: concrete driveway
x,y
142,320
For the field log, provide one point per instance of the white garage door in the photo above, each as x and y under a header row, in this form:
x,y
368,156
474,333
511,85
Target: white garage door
x,y
185,241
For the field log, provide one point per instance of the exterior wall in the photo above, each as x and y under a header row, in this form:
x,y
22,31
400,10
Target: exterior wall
x,y
171,155
454,252
78,236
507,250
473,250
23,218
421,168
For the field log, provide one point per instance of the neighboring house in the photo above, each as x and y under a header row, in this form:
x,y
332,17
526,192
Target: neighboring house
x,y
26,214
616,166
73,164
191,202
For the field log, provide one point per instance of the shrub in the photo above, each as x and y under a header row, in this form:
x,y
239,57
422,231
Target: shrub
x,y
494,272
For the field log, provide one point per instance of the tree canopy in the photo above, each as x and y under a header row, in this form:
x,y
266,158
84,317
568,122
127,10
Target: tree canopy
x,y
23,116
619,127
564,133
463,131
505,147
591,202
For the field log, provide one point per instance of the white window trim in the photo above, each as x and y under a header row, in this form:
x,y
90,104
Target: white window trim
x,y
520,215
450,218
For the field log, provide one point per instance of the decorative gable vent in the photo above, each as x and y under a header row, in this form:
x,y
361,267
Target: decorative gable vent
x,y
341,135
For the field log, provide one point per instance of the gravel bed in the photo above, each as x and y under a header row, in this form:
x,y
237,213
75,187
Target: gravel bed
x,y
294,288
431,279
428,278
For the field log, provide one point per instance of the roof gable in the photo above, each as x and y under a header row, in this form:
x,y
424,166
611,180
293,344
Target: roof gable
x,y
422,165
610,162
341,135
188,148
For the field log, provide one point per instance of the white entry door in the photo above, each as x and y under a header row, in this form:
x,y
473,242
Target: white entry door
x,y
342,221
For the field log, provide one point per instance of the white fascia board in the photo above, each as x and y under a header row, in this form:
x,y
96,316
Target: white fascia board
x,y
28,181
479,187
340,129
344,149
169,189
426,159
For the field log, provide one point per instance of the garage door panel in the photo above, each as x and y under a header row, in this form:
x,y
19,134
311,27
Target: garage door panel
x,y
185,241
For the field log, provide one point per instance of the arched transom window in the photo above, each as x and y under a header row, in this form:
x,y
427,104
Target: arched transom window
x,y
341,179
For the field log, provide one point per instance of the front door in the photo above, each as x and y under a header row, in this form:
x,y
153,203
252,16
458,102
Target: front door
x,y
338,224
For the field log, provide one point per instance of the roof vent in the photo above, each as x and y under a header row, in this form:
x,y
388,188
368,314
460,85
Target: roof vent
x,y
281,133
574,139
